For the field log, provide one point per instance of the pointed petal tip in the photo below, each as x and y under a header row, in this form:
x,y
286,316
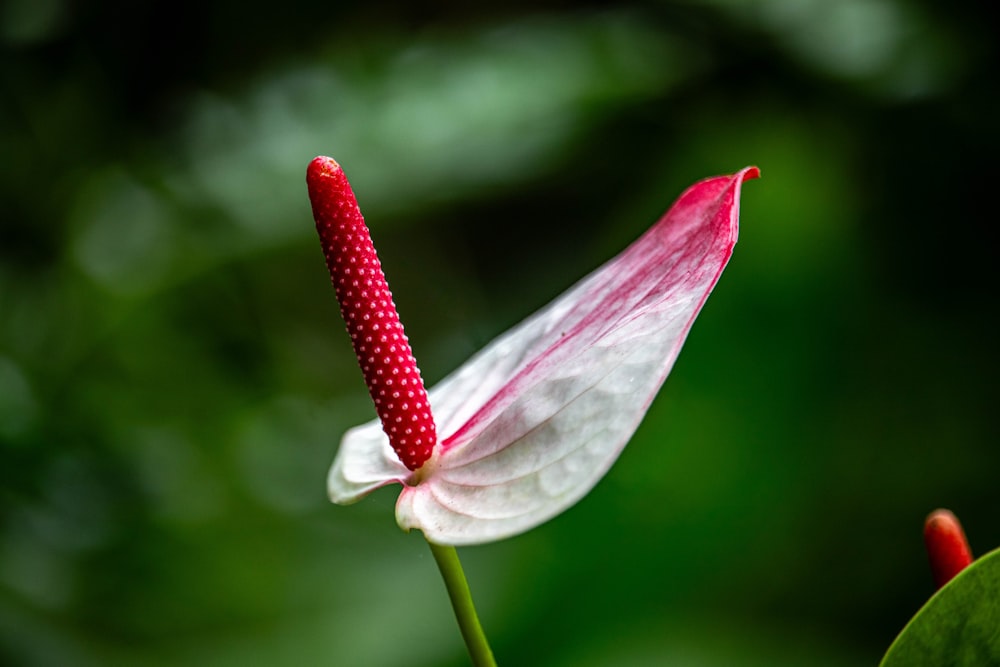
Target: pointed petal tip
x,y
749,173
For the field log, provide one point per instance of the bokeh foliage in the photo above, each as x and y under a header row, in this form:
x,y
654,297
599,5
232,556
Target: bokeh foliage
x,y
174,377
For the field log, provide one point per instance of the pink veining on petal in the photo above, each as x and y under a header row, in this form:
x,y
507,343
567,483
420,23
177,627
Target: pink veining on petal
x,y
678,252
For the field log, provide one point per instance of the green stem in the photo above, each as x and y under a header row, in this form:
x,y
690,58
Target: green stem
x,y
461,601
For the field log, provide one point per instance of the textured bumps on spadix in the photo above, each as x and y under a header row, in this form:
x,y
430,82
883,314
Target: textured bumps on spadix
x,y
366,304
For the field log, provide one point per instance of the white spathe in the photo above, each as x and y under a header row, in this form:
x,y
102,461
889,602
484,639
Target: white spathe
x,y
533,421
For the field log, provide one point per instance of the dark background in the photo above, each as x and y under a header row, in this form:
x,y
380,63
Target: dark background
x,y
174,377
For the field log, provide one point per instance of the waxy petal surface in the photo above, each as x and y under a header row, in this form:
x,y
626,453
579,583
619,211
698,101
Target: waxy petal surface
x,y
530,424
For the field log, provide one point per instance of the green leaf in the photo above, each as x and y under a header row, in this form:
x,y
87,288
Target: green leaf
x,y
959,626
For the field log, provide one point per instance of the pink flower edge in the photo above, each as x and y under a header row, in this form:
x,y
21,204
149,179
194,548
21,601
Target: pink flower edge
x,y
534,420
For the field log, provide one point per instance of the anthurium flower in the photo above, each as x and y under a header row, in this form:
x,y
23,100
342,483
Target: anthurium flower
x,y
532,422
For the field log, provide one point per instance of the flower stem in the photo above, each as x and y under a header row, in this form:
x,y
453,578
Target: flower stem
x,y
461,602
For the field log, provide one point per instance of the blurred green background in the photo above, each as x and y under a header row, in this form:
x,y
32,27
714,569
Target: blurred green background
x,y
174,376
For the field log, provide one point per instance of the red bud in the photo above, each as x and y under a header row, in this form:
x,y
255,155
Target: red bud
x,y
947,547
